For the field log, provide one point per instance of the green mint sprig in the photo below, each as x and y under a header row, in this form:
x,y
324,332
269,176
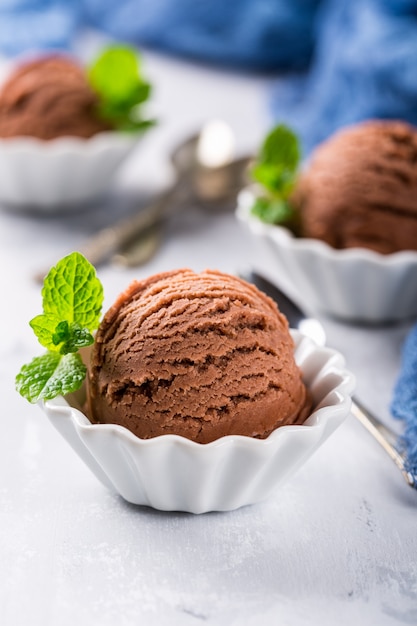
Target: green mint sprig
x,y
72,297
116,77
276,170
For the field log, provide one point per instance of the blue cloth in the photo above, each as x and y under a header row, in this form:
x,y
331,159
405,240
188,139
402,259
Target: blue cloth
x,y
31,25
404,401
364,66
358,56
267,34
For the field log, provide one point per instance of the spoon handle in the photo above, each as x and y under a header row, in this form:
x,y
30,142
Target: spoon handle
x,y
106,242
143,248
384,436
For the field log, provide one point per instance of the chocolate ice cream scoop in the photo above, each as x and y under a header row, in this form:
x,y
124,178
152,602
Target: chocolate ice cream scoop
x,y
47,98
198,355
360,188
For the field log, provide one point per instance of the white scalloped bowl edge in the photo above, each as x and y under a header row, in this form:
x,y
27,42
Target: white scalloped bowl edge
x,y
60,172
172,473
353,284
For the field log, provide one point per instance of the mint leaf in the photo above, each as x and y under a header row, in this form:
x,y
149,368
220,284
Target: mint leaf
x,y
276,169
71,293
281,149
275,178
272,211
50,375
44,327
72,297
116,77
62,334
71,337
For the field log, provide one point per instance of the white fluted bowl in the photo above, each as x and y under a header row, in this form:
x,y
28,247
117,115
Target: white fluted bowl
x,y
353,284
62,172
172,473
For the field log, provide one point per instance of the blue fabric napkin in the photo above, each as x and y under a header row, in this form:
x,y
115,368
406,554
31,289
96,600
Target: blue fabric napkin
x,y
404,400
267,34
32,25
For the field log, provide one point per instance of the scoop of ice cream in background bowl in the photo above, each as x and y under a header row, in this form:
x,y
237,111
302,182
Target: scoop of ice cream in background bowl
x,y
60,142
198,397
350,245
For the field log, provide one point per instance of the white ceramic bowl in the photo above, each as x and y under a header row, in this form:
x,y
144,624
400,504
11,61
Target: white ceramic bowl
x,y
172,473
62,172
352,284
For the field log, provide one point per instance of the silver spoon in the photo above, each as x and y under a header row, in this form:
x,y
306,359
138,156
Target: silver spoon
x,y
311,327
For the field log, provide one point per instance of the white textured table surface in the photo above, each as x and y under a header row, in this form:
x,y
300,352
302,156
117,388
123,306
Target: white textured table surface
x,y
335,545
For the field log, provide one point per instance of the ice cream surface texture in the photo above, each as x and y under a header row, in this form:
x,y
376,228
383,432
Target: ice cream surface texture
x,y
360,188
47,98
201,355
